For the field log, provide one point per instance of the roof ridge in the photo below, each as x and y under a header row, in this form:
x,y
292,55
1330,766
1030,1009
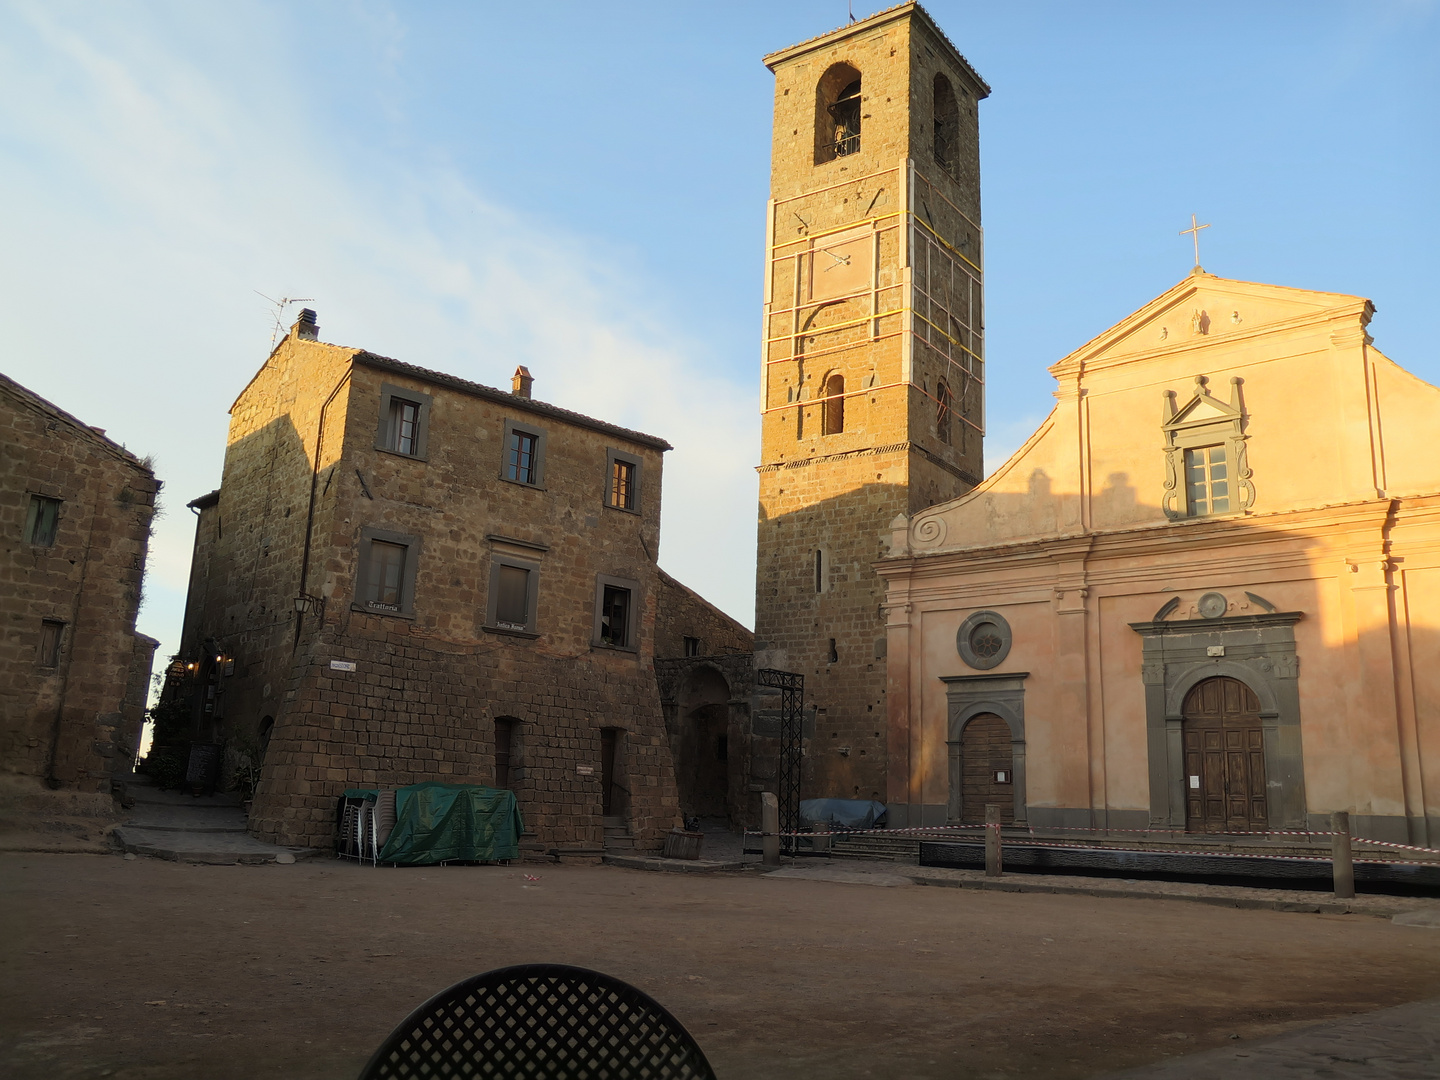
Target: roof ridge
x,y
46,405
544,408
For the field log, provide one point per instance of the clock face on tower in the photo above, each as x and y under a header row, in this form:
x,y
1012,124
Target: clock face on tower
x,y
842,264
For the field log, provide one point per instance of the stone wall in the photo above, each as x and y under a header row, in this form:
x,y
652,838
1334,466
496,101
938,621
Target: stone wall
x,y
363,697
683,613
72,724
905,227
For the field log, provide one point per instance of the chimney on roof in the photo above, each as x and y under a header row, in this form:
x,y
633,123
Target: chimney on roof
x,y
305,328
521,383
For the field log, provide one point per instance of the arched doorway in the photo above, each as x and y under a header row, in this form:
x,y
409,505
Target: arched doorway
x,y
987,769
703,761
1224,758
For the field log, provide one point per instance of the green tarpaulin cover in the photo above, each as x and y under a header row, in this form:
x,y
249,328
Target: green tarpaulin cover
x,y
451,822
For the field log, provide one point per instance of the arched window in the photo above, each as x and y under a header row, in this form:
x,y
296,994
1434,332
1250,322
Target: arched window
x,y
833,416
837,113
947,124
943,405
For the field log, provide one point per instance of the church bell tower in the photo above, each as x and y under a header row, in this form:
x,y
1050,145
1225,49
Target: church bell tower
x,y
873,378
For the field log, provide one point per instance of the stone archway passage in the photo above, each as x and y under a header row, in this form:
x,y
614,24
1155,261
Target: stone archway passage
x,y
702,760
987,769
1224,758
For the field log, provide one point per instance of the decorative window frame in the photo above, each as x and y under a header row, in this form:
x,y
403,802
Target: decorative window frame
x,y
385,438
541,438
967,628
611,457
1223,423
411,544
632,625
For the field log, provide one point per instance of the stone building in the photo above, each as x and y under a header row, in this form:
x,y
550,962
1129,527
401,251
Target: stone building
x,y
704,671
872,394
1200,599
405,576
75,513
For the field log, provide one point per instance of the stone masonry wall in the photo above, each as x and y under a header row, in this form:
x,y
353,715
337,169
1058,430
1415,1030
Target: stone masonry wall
x,y
834,495
681,612
428,684
68,724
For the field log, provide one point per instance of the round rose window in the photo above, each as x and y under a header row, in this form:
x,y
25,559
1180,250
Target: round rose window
x,y
983,640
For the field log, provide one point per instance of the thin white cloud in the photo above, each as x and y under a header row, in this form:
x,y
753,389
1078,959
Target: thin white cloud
x,y
167,164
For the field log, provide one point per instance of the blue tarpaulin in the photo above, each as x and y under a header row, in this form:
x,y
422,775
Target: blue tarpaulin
x,y
846,813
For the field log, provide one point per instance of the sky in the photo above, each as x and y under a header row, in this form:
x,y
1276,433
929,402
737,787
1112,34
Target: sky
x,y
580,188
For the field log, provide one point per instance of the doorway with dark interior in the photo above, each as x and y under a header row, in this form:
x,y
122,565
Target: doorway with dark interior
x,y
703,760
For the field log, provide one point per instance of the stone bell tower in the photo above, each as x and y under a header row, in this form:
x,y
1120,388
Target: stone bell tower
x,y
873,380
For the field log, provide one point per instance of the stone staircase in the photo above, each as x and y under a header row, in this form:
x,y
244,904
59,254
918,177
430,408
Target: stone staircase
x,y
208,829
618,840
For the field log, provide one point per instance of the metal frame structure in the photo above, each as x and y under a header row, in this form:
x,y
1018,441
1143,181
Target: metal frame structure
x,y
792,721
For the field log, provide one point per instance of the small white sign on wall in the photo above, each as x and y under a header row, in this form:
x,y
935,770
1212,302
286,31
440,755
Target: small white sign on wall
x,y
1195,783
585,770
342,665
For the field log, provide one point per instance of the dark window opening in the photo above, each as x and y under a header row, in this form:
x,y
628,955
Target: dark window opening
x,y
947,124
42,521
722,748
833,410
622,484
838,113
615,616
692,646
520,464
504,738
943,406
51,633
512,602
404,426
819,570
845,113
609,737
386,573
833,657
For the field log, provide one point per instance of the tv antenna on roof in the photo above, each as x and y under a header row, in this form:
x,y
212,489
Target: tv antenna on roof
x,y
279,313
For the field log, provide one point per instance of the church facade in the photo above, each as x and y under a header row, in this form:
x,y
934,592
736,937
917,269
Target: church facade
x,y
1199,599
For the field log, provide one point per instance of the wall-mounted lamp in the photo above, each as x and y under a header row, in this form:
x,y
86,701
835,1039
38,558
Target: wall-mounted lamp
x,y
308,605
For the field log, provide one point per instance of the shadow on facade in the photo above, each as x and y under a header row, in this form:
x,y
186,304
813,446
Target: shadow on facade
x,y
1127,640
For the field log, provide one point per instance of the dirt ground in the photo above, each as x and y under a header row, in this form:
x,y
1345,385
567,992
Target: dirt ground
x,y
160,970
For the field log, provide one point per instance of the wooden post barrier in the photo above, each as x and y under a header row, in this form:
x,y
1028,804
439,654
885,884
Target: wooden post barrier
x,y
1341,857
770,828
992,841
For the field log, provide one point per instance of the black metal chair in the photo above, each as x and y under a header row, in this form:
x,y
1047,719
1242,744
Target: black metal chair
x,y
540,1022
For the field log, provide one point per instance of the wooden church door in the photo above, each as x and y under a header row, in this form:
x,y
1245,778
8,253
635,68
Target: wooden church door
x,y
987,762
1224,758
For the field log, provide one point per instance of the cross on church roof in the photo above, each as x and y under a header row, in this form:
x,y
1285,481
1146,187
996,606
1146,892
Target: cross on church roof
x,y
1194,230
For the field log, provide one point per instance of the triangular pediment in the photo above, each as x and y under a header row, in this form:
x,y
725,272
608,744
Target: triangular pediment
x,y
1203,408
1204,309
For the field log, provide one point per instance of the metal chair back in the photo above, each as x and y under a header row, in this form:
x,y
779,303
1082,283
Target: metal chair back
x,y
542,1022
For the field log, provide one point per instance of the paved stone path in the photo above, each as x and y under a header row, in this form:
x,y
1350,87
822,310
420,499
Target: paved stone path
x,y
184,828
1402,1043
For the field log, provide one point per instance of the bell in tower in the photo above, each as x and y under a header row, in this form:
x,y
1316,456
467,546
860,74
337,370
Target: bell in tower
x,y
873,355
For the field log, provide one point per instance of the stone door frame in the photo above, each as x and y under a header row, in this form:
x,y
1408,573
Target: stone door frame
x,y
967,696
1257,650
